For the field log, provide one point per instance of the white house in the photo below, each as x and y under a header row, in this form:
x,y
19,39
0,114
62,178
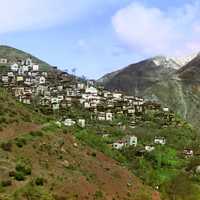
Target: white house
x,y
91,90
54,100
166,109
81,123
60,87
10,74
126,142
117,95
109,116
118,145
86,105
27,81
101,116
55,106
35,67
69,122
149,148
188,153
80,86
132,124
4,79
25,68
14,67
132,140
42,80
3,61
28,62
160,140
60,98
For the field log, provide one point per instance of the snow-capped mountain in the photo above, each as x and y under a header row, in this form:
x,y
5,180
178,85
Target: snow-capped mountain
x,y
166,62
174,82
185,59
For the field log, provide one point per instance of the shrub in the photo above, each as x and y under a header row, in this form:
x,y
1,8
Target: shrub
x,y
94,154
36,133
6,183
12,173
39,181
6,146
20,142
22,167
98,195
19,176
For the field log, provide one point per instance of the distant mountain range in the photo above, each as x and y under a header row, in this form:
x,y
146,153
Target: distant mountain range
x,y
172,82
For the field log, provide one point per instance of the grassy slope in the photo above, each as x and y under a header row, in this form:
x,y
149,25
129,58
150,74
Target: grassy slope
x,y
49,163
15,54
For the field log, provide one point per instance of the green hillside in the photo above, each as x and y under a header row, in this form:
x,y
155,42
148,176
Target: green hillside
x,y
13,54
41,161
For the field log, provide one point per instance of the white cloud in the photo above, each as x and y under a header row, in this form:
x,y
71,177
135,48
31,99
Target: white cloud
x,y
150,30
20,15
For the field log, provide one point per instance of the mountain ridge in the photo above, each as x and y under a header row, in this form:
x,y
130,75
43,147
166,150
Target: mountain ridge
x,y
163,80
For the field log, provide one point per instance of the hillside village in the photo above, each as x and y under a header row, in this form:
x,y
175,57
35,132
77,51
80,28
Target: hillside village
x,y
55,90
152,140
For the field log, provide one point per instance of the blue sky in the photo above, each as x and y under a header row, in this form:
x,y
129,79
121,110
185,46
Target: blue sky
x,y
99,36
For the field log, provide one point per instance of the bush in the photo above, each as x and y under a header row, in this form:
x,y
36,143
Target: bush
x,y
36,133
6,146
22,167
94,154
39,181
20,142
12,173
6,183
19,176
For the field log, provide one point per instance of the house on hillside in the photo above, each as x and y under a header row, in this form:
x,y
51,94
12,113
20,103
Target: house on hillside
x,y
160,140
81,123
188,153
5,79
42,80
28,62
149,148
109,116
91,90
3,61
125,142
14,67
35,67
69,122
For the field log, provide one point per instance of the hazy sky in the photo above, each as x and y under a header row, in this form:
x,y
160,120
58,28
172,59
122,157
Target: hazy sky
x,y
99,36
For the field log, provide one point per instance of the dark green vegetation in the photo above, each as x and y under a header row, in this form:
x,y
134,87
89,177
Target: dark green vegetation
x,y
14,55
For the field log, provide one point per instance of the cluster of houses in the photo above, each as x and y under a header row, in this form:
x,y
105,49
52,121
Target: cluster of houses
x,y
133,141
56,90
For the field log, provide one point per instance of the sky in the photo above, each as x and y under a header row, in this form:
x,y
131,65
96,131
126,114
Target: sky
x,y
100,36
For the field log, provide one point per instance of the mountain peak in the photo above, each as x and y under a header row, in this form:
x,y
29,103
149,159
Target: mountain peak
x,y
184,60
165,61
